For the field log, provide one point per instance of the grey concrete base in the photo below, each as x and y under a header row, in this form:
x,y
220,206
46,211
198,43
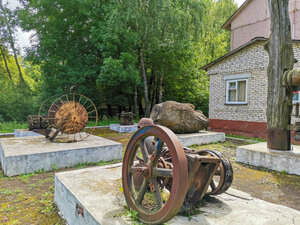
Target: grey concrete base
x,y
202,137
28,154
123,128
259,155
93,196
25,133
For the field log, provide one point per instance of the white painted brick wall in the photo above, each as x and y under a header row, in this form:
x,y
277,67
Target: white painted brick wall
x,y
252,59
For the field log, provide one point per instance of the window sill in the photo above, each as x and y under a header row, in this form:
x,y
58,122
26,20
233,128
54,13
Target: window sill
x,y
233,104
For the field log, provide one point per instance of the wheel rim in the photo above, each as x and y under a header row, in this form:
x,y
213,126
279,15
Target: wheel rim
x,y
224,175
164,206
71,113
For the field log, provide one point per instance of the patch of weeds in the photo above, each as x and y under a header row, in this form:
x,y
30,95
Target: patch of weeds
x,y
283,172
54,166
25,177
194,210
9,192
47,201
246,138
101,163
6,191
40,171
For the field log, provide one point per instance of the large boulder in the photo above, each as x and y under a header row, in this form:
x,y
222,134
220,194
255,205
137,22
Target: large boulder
x,y
179,117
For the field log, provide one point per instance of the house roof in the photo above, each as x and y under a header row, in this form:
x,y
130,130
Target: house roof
x,y
227,24
233,51
254,40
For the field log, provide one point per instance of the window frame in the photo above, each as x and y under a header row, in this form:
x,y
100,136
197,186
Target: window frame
x,y
296,101
236,84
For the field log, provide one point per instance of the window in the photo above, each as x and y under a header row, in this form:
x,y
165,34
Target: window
x,y
296,97
236,91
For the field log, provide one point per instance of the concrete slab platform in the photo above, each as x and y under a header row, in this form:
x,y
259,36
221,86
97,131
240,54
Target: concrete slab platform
x,y
123,128
28,154
259,155
25,133
93,196
202,137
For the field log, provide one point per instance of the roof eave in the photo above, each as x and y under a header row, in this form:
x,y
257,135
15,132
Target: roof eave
x,y
227,24
205,67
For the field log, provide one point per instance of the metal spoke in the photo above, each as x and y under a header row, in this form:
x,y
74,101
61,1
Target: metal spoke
x,y
144,150
142,191
91,111
161,172
157,194
89,106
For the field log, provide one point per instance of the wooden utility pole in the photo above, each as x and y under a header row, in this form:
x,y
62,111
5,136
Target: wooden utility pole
x,y
281,58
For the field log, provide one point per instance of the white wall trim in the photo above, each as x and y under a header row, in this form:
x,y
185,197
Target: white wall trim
x,y
237,76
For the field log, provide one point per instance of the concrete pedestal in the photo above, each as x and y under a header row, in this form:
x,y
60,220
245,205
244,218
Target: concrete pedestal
x,y
202,137
259,155
28,154
93,196
123,128
25,133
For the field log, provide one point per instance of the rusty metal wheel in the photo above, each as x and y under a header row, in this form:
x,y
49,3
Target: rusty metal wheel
x,y
69,114
223,177
154,201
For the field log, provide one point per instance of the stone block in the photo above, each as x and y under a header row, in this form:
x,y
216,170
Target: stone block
x,y
28,154
123,128
201,137
259,155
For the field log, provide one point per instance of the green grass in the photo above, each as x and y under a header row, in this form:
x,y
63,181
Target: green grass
x,y
8,127
103,122
247,138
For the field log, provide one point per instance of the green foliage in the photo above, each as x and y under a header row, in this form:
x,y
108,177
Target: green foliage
x,y
8,127
98,44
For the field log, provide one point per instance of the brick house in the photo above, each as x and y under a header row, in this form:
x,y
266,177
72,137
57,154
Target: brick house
x,y
238,80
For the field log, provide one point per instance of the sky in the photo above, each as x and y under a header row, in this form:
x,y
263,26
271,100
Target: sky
x,y
23,38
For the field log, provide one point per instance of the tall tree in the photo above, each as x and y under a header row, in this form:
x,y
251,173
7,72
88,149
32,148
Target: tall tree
x,y
6,17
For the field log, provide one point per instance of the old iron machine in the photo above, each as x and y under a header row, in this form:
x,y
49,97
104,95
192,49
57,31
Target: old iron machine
x,y
161,178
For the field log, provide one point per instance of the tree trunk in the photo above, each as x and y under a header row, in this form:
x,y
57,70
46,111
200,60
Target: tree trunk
x,y
135,101
144,76
160,89
281,58
6,65
12,44
153,93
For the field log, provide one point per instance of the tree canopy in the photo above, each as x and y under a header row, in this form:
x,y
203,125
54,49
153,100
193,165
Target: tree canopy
x,y
128,54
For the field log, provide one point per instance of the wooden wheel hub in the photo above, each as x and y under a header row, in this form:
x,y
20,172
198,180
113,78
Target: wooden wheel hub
x,y
72,116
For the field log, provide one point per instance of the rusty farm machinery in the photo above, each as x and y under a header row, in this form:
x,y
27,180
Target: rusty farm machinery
x,y
63,118
161,178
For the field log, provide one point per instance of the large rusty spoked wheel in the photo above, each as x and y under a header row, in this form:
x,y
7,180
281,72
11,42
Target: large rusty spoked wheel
x,y
223,177
69,114
153,187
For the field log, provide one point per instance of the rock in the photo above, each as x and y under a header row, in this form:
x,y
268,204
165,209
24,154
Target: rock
x,y
179,117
